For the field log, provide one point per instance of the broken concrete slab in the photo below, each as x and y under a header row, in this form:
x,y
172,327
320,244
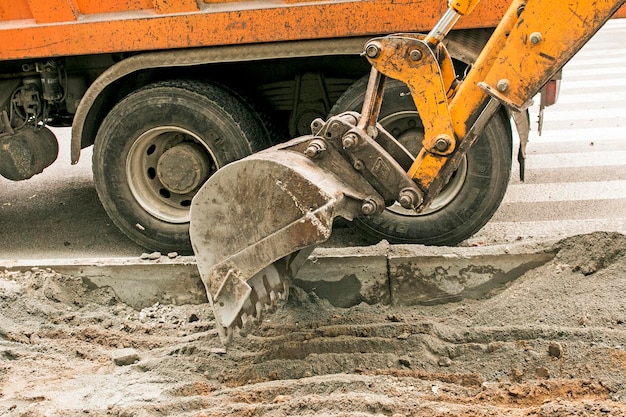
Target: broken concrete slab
x,y
138,283
125,356
416,274
427,275
383,273
347,278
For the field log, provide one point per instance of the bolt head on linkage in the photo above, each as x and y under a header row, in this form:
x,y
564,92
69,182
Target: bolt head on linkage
x,y
349,140
315,149
369,207
409,199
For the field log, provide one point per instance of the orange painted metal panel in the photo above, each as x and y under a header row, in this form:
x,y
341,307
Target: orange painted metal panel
x,y
15,10
180,6
230,23
561,32
110,6
135,25
49,11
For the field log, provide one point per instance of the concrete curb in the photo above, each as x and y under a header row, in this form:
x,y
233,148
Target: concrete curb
x,y
388,274
137,282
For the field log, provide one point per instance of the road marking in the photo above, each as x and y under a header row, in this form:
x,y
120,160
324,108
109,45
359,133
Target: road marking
x,y
576,160
593,113
570,191
577,168
510,231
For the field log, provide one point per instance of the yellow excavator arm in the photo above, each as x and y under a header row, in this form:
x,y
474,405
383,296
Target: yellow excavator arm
x,y
256,220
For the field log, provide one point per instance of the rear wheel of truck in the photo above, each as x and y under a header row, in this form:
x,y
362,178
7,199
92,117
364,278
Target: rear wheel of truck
x,y
156,148
470,198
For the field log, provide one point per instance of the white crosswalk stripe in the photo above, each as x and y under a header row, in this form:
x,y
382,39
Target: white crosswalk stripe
x,y
576,171
575,160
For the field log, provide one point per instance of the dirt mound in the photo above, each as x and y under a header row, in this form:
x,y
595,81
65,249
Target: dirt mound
x,y
592,252
551,343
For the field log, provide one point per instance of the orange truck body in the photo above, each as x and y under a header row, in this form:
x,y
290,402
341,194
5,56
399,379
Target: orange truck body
x,y
47,28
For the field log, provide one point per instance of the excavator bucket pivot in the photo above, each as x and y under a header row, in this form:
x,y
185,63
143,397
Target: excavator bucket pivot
x,y
256,220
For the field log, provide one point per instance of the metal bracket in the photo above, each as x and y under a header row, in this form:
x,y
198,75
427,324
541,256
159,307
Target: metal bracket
x,y
378,164
430,77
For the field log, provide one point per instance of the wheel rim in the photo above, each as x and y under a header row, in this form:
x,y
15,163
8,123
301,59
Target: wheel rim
x,y
165,167
407,128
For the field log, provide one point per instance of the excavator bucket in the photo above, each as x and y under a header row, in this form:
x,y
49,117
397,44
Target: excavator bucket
x,y
256,220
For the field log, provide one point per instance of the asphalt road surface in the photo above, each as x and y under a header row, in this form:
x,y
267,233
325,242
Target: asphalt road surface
x,y
575,175
576,170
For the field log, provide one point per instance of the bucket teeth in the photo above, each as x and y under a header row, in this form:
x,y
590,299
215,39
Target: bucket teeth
x,y
285,292
269,289
245,322
259,310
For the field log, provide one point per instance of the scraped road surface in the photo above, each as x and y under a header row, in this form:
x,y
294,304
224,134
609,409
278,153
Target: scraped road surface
x,y
550,344
576,175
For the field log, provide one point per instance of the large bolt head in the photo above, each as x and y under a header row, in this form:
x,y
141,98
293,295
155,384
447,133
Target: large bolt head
x,y
372,50
336,128
405,201
358,165
409,198
369,207
442,143
535,38
315,149
503,85
349,140
415,55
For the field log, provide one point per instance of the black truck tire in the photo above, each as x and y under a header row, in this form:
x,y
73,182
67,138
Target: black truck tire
x,y
470,198
156,148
